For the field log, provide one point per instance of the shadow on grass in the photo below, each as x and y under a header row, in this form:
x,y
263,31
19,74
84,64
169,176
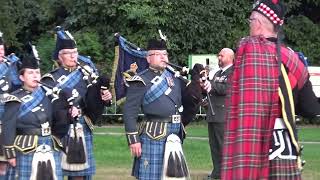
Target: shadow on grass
x,y
124,174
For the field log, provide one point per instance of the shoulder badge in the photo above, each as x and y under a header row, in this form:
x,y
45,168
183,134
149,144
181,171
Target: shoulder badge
x,y
48,75
26,98
61,78
135,78
4,98
128,74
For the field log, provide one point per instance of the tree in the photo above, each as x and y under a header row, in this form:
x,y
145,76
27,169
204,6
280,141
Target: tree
x,y
192,26
303,35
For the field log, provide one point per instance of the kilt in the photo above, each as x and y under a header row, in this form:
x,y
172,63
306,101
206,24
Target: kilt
x,y
284,169
151,160
91,170
24,161
11,173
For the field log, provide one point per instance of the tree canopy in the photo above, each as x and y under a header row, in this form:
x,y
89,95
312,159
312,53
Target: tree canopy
x,y
192,26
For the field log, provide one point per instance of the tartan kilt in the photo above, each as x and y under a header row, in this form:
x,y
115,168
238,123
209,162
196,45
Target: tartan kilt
x,y
151,160
24,161
284,169
91,170
11,173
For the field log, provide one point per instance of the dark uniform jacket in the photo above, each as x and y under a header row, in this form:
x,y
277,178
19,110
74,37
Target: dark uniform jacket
x,y
9,80
162,107
8,83
30,123
86,104
58,75
219,85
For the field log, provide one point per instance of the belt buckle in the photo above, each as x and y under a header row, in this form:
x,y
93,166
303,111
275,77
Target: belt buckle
x,y
45,129
176,118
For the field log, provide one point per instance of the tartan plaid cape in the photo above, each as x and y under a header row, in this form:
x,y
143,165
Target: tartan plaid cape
x,y
253,105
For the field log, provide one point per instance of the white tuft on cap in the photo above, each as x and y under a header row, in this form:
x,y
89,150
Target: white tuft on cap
x,y
163,37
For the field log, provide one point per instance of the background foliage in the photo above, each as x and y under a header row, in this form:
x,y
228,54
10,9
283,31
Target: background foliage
x,y
192,26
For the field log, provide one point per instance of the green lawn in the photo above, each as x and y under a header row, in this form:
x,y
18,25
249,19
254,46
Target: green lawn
x,y
114,161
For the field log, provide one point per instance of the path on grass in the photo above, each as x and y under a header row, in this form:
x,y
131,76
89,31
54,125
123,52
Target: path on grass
x,y
189,137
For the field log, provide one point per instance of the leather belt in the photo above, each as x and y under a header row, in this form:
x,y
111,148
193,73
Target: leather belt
x,y
171,119
31,131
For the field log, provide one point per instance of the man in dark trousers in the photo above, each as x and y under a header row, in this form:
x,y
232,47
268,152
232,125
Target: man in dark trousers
x,y
216,121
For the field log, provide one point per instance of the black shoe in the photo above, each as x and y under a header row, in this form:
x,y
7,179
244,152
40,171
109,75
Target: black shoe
x,y
209,177
212,177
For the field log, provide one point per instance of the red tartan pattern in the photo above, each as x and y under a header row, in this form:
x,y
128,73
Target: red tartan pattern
x,y
253,106
284,169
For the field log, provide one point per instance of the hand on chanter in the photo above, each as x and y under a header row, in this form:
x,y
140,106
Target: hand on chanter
x,y
206,85
74,112
106,95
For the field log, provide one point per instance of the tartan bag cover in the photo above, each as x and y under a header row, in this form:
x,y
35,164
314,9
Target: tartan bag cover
x,y
252,106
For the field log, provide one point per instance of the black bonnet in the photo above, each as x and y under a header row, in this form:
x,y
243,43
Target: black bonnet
x,y
274,10
155,44
64,41
28,61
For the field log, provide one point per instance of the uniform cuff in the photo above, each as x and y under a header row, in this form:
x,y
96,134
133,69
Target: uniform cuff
x,y
132,137
9,152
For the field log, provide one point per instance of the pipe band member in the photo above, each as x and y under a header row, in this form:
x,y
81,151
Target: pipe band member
x,y
90,97
9,82
32,125
158,94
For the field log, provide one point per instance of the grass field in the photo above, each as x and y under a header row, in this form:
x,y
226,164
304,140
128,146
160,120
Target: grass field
x,y
114,161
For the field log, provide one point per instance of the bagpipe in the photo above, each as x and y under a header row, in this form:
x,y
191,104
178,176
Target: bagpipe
x,y
94,105
7,67
71,97
89,74
50,90
193,95
74,145
8,60
179,74
62,100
